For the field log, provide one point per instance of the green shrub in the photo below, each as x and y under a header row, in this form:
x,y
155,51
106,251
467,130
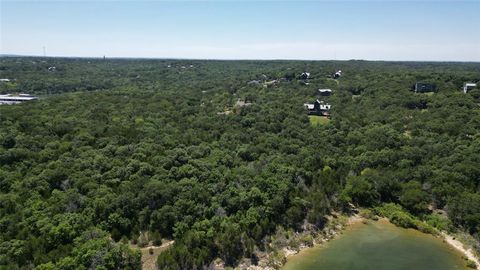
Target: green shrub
x,y
471,264
368,214
142,240
306,239
425,228
156,238
400,217
440,222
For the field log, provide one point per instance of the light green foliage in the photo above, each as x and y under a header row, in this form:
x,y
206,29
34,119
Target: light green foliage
x,y
400,217
439,222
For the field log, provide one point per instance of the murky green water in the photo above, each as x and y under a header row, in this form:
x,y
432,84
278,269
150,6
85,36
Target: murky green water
x,y
379,246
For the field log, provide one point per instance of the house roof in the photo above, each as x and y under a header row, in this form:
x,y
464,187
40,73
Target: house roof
x,y
307,74
309,106
21,97
325,107
324,90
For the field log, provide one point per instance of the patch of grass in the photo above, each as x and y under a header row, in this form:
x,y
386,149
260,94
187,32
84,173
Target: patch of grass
x,y
316,120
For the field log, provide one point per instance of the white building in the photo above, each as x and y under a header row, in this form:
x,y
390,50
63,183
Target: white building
x,y
318,108
15,99
309,106
305,75
468,86
337,74
325,92
325,107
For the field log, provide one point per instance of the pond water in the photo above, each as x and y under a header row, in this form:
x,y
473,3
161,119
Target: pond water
x,y
379,246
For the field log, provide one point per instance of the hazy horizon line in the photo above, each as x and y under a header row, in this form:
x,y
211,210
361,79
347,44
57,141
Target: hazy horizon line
x,y
226,59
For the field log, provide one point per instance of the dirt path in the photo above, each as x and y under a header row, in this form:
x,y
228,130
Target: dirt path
x,y
149,261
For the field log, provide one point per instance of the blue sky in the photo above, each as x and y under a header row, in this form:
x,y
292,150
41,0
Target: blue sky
x,y
372,30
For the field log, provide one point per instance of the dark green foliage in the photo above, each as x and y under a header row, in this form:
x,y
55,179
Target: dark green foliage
x,y
93,250
464,210
156,238
361,190
414,198
143,149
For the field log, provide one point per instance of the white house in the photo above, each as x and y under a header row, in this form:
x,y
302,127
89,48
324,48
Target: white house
x,y
337,74
305,75
325,92
325,107
318,108
309,106
468,86
15,99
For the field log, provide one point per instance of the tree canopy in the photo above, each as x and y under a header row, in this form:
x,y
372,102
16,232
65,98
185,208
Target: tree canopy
x,y
117,148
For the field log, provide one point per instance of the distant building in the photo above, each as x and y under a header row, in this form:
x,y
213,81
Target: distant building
x,y
270,83
337,74
469,86
305,75
325,92
318,108
424,87
254,82
4,80
52,68
15,99
242,103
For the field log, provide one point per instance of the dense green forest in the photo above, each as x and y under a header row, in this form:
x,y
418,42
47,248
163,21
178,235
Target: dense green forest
x,y
116,148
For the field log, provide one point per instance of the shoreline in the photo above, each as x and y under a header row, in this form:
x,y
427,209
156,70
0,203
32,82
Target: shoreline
x,y
459,246
271,260
337,231
465,250
328,235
